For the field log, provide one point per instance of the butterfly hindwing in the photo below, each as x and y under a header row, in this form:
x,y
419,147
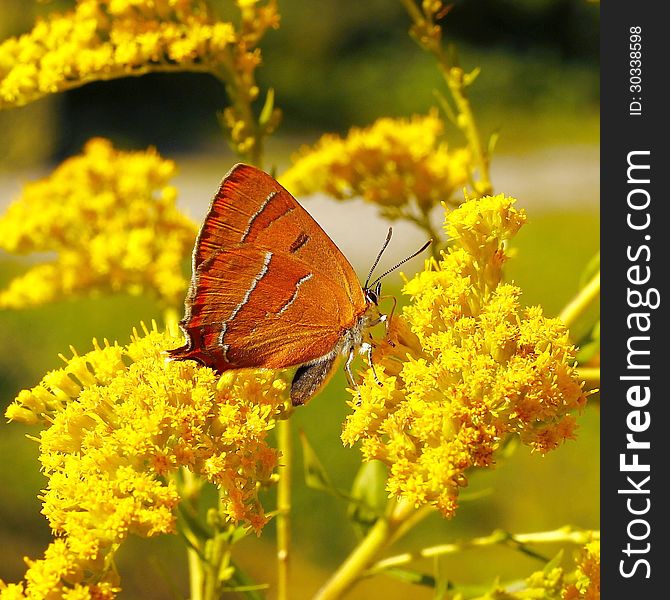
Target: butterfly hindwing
x,y
255,307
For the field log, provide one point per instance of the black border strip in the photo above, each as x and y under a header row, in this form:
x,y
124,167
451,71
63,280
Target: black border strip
x,y
634,511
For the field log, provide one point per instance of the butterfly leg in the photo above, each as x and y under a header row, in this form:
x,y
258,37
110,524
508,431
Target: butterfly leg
x,y
350,375
387,319
368,349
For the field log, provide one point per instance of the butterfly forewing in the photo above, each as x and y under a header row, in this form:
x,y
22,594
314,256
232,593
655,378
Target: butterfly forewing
x,y
252,209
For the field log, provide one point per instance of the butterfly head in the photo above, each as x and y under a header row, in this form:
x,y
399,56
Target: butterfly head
x,y
373,294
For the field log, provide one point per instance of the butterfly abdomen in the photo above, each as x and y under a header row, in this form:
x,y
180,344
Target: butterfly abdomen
x,y
310,378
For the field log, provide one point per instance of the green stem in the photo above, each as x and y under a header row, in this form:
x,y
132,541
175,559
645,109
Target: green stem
x,y
285,445
195,576
413,10
215,555
466,122
380,536
428,35
581,301
565,534
189,489
241,102
424,222
413,519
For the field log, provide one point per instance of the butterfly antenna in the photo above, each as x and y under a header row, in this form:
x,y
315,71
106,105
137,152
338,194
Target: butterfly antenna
x,y
402,262
386,243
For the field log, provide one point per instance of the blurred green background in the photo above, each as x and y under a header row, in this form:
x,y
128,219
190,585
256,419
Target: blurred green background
x,y
335,64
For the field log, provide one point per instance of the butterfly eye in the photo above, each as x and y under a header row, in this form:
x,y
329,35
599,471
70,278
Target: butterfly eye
x,y
372,296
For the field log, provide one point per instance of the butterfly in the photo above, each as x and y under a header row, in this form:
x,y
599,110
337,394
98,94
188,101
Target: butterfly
x,y
269,288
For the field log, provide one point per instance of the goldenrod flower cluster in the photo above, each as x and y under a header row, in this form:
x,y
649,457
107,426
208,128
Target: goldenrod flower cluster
x,y
558,583
111,218
586,584
61,575
120,422
468,367
104,39
391,163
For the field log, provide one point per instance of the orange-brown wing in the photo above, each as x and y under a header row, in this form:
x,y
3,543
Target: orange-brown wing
x,y
254,307
252,209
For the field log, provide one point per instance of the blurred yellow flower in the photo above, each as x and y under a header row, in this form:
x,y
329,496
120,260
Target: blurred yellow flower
x,y
392,163
556,582
104,39
61,574
466,367
111,218
587,576
119,423
107,39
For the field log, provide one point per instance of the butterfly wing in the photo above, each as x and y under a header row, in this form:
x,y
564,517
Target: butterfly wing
x,y
252,209
269,287
256,307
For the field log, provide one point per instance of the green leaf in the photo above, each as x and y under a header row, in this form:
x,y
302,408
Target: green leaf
x,y
590,346
554,562
247,590
469,78
369,496
235,533
493,142
442,583
268,108
410,576
191,545
243,584
316,476
445,106
587,328
591,268
193,523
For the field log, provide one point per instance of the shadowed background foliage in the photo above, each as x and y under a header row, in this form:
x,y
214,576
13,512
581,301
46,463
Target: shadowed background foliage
x,y
335,64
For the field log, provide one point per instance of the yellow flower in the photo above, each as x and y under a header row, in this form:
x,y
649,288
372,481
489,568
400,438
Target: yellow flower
x,y
392,163
587,576
59,575
107,39
111,218
120,422
466,367
558,582
104,39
